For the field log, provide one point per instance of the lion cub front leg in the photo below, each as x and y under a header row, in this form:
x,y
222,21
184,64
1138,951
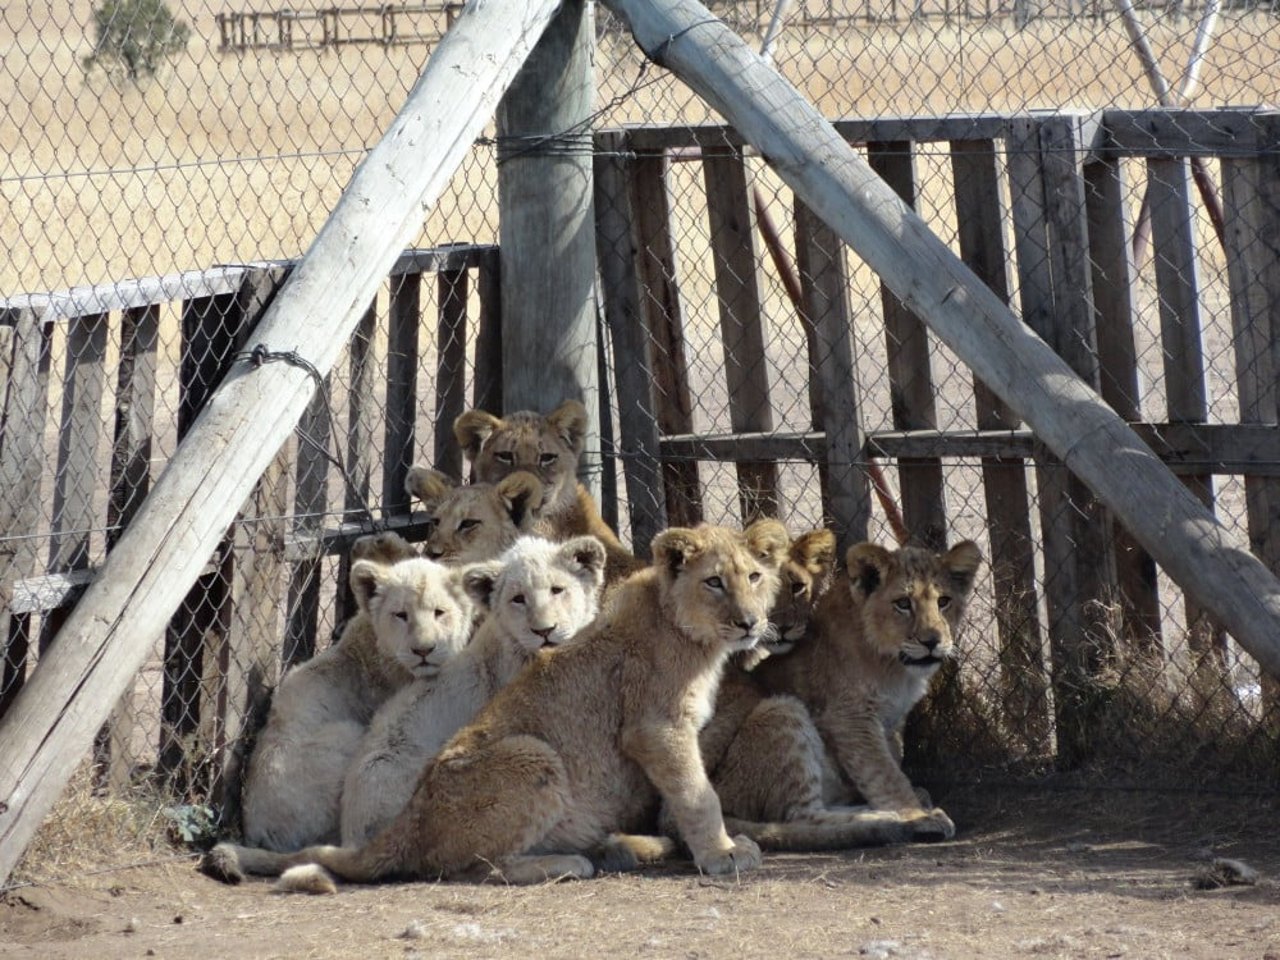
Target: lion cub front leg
x,y
671,760
867,757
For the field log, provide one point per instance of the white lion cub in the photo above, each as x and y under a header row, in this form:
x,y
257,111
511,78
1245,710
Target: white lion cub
x,y
539,594
414,616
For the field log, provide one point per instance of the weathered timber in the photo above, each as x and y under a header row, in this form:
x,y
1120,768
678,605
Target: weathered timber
x,y
545,231
363,418
1173,133
400,414
48,727
620,287
451,367
1024,371
718,137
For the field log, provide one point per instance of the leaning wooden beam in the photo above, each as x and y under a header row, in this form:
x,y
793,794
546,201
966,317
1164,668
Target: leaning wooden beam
x,y
1017,365
49,727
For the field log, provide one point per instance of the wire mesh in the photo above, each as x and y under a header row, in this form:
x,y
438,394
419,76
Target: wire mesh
x,y
160,159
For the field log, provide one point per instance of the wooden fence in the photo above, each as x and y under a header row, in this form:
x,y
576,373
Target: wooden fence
x,y
263,599
384,25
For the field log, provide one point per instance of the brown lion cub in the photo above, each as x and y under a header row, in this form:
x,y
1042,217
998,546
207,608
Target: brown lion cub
x,y
478,521
549,447
879,635
582,744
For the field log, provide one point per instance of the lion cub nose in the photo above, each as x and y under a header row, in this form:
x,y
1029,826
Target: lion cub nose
x,y
423,649
930,640
545,632
747,625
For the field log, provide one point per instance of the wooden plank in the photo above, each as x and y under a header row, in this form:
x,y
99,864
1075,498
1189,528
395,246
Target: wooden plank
x,y
1173,133
617,254
731,224
404,323
545,230
911,390
451,367
664,324
1251,191
1024,682
487,388
835,394
129,294
310,502
22,461
1178,298
115,752
48,727
361,456
1114,277
77,473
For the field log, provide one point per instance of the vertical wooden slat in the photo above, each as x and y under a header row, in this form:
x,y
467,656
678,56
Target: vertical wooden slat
x,y
210,328
1114,276
1251,189
911,390
980,219
733,251
403,324
660,301
1057,302
22,461
310,502
248,659
834,396
616,253
451,367
130,481
78,473
608,444
488,375
362,425
1177,293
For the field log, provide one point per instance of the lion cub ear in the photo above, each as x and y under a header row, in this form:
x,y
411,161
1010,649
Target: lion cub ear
x,y
962,562
674,548
480,580
521,494
428,485
768,541
815,551
367,576
472,429
386,547
570,421
868,565
584,556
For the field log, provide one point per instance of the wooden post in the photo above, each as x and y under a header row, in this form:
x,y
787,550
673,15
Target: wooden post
x,y
451,367
142,582
632,348
546,229
404,323
1037,384
363,418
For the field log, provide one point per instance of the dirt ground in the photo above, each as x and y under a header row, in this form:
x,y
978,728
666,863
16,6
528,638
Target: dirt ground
x,y
1036,874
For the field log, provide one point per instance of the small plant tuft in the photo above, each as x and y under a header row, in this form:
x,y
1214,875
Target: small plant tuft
x,y
135,37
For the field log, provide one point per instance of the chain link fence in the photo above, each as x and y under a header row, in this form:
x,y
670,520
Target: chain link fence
x,y
154,193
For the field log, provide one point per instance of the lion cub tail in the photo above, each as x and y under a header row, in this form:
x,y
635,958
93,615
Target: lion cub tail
x,y
833,831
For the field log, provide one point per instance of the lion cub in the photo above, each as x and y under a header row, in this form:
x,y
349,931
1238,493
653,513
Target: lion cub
x,y
413,617
588,737
878,637
550,447
477,521
538,595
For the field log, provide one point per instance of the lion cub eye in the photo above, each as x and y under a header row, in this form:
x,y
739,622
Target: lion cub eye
x,y
402,615
754,576
902,604
518,599
504,456
556,591
439,613
466,526
715,583
797,588
547,459
943,602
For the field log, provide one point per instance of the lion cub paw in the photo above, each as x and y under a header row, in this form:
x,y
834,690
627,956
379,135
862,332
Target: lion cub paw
x,y
222,863
929,826
744,855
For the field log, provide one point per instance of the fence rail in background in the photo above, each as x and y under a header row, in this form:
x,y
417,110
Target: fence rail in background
x,y
255,608
385,25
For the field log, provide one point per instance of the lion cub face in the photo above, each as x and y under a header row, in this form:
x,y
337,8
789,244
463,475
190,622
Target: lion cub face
x,y
548,447
419,610
912,599
542,593
717,584
805,576
475,522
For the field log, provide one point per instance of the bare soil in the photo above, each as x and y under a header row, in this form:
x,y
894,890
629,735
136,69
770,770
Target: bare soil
x,y
1037,874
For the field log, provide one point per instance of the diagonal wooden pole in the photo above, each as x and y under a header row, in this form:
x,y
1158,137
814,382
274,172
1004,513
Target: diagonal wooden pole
x,y
49,727
1069,417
